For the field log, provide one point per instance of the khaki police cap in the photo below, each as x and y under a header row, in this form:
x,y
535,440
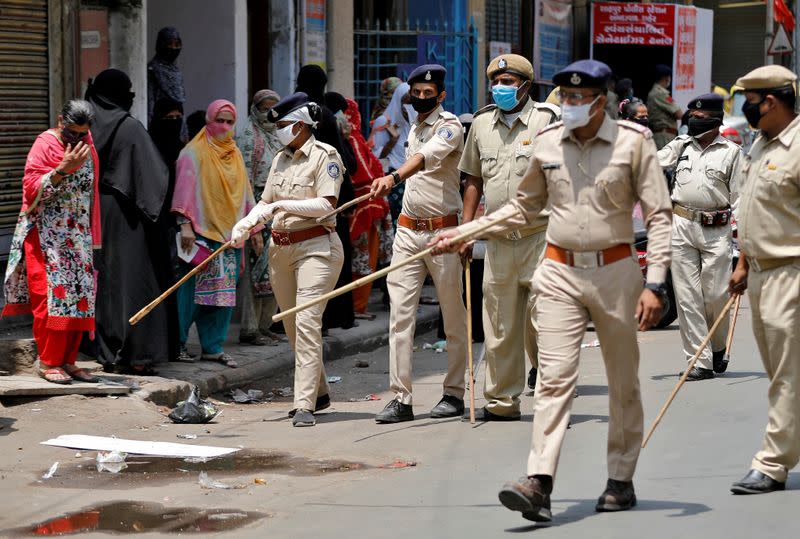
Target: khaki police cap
x,y
767,78
510,63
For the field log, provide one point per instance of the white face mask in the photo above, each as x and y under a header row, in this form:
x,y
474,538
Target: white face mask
x,y
285,134
575,116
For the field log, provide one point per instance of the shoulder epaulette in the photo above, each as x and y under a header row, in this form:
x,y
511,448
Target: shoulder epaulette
x,y
330,150
633,126
480,111
551,127
446,114
549,107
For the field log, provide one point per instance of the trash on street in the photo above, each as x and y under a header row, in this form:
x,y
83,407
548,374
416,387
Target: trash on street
x,y
51,472
112,462
138,447
370,397
193,410
251,395
334,379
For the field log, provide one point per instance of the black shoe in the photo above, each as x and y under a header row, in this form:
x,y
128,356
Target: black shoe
x,y
323,401
756,482
530,497
698,373
449,406
304,418
532,379
395,412
720,361
482,414
618,496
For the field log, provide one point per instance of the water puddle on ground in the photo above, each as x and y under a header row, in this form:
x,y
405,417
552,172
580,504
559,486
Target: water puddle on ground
x,y
151,470
140,517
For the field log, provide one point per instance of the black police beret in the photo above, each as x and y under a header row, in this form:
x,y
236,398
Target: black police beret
x,y
433,73
711,102
583,74
286,105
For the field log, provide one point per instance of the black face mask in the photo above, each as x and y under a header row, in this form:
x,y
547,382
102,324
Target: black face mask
x,y
422,105
71,138
752,113
170,127
168,54
698,126
644,122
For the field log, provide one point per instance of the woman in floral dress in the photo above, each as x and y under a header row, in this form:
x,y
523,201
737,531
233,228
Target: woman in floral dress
x,y
50,271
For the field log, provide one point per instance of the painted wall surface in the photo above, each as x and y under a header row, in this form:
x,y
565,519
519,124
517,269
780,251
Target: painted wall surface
x,y
127,28
214,55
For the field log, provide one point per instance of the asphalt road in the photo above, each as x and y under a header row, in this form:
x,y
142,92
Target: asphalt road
x,y
350,478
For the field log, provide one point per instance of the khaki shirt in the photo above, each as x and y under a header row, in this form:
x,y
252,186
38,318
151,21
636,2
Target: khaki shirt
x,y
434,190
499,154
592,189
314,170
705,179
769,211
661,108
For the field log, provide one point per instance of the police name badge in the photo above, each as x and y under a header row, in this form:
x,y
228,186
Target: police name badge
x,y
445,132
333,170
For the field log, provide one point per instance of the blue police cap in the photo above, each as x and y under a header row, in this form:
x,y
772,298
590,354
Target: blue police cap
x,y
711,102
583,74
663,70
433,73
286,105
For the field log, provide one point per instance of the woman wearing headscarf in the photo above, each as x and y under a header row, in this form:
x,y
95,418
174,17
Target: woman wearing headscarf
x,y
50,269
305,257
134,265
259,144
311,80
211,194
164,77
387,89
388,141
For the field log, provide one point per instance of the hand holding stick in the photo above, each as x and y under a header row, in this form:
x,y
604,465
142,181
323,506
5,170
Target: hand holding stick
x,y
343,207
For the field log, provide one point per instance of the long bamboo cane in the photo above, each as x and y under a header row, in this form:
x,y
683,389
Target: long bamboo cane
x,y
153,304
729,341
467,236
468,283
700,349
343,207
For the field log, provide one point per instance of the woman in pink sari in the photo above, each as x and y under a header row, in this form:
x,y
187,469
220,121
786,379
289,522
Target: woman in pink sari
x,y
50,270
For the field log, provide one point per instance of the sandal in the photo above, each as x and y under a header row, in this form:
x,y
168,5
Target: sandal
x,y
223,358
364,316
253,340
184,356
55,375
79,374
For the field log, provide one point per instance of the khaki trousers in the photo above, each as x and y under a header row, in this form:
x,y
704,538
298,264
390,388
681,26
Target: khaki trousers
x,y
509,336
301,272
701,267
405,286
775,304
566,299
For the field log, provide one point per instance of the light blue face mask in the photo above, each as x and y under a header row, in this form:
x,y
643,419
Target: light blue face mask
x,y
505,97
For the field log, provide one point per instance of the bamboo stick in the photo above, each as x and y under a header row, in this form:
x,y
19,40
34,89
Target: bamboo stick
x,y
729,342
469,344
343,207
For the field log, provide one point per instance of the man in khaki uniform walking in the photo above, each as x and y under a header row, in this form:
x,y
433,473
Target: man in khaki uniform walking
x,y
431,202
707,169
592,169
769,238
661,109
496,156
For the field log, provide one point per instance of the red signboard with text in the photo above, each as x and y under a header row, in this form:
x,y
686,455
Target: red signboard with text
x,y
617,23
683,77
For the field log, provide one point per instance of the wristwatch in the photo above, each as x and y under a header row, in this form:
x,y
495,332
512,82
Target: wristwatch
x,y
660,290
396,177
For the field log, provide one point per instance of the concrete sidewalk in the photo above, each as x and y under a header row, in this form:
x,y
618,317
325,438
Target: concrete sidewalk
x,y
256,363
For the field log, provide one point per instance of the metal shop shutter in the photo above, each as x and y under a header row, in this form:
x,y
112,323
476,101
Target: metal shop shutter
x,y
738,43
24,95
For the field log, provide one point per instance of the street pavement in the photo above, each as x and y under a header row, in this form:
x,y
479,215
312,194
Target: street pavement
x,y
350,478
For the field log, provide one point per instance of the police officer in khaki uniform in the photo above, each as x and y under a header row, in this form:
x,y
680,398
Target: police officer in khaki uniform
x,y
431,202
663,111
592,169
305,257
707,169
496,155
769,238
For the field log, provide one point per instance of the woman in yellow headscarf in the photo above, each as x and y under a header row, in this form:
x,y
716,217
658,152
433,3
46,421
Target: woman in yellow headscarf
x,y
211,194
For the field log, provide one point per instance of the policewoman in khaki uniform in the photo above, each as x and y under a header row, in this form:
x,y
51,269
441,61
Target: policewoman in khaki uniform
x,y
592,170
707,169
431,202
769,266
663,112
304,257
495,158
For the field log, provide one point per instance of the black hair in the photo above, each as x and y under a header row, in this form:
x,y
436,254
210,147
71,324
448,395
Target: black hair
x,y
785,95
77,112
628,110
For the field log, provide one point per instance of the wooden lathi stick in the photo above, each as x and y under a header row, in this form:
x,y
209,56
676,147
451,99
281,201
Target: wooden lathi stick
x,y
343,207
700,349
729,342
153,304
469,344
385,271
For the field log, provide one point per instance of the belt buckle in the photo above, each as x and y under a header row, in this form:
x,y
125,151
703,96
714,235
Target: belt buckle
x,y
584,259
283,239
514,236
427,224
753,263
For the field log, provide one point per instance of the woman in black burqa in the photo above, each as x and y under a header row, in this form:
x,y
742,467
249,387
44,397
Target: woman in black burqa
x,y
134,263
311,79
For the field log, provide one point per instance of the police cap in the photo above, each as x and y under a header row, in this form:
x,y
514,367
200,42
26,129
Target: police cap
x,y
583,74
710,102
433,73
510,63
767,78
286,105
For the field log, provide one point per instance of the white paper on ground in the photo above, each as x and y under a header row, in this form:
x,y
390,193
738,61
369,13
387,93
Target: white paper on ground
x,y
138,447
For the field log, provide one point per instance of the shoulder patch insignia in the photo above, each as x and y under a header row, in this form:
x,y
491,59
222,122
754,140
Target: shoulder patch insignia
x,y
333,170
445,132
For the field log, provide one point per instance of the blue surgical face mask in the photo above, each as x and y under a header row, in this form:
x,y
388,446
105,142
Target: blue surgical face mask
x,y
505,97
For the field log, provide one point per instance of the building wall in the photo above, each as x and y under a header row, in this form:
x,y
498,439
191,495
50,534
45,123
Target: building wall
x,y
127,29
283,33
340,47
